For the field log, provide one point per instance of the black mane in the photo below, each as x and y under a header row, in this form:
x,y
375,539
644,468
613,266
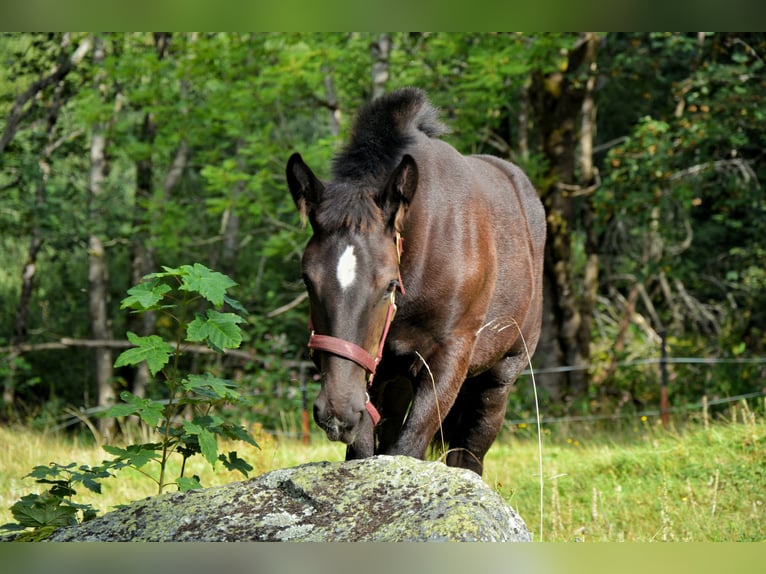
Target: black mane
x,y
381,132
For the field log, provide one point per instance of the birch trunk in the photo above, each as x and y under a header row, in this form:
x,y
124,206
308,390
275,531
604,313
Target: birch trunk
x,y
381,52
97,269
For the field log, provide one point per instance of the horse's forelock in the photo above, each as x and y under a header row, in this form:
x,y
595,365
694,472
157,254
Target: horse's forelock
x,y
348,207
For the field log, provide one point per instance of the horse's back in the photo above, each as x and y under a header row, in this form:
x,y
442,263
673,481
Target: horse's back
x,y
489,224
531,208
501,186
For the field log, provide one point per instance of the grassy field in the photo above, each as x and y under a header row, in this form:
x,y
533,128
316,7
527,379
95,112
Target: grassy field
x,y
693,482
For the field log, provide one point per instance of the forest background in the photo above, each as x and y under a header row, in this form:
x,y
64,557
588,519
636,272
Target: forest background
x,y
123,153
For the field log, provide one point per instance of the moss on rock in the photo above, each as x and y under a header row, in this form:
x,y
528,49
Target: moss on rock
x,y
383,498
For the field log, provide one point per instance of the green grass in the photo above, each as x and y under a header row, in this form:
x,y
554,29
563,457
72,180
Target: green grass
x,y
698,483
642,483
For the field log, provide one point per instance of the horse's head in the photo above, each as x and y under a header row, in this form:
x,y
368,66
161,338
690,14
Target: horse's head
x,y
351,271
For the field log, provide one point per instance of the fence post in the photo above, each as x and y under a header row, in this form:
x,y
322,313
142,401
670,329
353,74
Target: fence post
x,y
306,435
664,411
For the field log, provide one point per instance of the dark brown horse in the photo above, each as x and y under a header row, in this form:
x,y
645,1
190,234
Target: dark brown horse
x,y
467,282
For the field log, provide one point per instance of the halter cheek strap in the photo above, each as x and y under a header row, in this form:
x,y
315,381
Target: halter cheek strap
x,y
354,352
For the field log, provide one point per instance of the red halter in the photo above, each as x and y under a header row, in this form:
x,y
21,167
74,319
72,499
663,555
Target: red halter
x,y
354,352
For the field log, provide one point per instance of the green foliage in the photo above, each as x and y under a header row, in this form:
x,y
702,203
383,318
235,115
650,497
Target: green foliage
x,y
682,208
219,330
212,119
152,349
54,508
173,293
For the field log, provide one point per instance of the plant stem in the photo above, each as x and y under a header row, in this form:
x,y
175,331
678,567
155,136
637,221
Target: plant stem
x,y
172,382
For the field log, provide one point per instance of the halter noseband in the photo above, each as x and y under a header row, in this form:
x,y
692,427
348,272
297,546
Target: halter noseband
x,y
354,352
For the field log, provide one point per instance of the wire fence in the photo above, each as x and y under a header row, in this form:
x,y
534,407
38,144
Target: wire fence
x,y
654,361
665,410
305,368
637,415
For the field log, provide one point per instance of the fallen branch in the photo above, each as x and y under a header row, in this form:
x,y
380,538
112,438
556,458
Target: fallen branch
x,y
284,308
738,165
69,343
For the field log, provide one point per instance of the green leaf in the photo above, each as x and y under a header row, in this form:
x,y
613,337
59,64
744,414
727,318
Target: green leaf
x,y
38,510
197,329
36,535
92,484
84,474
50,471
152,349
169,272
59,488
136,455
212,285
218,330
234,304
185,483
233,462
149,410
211,387
208,444
236,432
145,296
89,477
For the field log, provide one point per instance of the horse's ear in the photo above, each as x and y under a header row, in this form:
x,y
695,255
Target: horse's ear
x,y
399,191
305,188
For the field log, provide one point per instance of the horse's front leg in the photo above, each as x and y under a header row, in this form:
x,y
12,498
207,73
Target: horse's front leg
x,y
441,375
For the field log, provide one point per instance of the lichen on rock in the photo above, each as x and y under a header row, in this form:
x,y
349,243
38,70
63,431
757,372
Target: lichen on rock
x,y
383,498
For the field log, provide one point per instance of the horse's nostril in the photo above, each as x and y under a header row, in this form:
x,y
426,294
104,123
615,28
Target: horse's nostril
x,y
334,429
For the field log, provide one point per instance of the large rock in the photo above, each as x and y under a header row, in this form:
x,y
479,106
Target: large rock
x,y
383,498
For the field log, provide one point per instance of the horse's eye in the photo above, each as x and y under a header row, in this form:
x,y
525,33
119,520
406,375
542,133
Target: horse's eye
x,y
393,284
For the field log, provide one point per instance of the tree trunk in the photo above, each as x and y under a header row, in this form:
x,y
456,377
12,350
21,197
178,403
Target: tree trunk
x,y
559,99
588,179
331,101
22,314
381,52
522,145
230,219
29,270
97,270
142,257
229,229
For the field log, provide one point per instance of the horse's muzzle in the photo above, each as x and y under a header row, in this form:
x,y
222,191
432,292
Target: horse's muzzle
x,y
337,429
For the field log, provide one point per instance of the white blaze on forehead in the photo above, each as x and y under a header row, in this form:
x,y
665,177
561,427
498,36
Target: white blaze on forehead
x,y
346,271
